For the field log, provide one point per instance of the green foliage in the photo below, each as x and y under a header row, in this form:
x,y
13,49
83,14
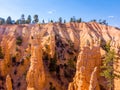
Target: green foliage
x,y
2,21
73,19
105,46
79,20
53,65
107,66
60,20
64,21
19,40
71,63
43,21
22,19
104,22
9,20
51,21
28,21
36,19
1,53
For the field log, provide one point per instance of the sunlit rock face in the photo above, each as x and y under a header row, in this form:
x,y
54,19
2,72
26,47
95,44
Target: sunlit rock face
x,y
56,56
87,70
36,74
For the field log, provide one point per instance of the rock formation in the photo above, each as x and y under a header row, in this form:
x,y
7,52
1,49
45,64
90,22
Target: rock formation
x,y
36,75
56,56
87,61
94,84
8,82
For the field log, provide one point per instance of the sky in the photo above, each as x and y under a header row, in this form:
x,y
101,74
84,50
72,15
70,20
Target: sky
x,y
53,9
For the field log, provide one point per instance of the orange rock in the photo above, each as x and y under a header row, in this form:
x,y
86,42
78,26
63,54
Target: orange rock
x,y
35,75
8,83
88,59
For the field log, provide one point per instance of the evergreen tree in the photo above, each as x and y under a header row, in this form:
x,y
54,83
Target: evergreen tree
x,y
60,20
17,22
43,21
28,21
79,20
73,19
9,20
2,21
36,19
107,66
22,19
64,21
51,21
1,53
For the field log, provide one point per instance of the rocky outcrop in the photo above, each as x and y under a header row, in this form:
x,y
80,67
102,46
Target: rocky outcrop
x,y
94,83
35,75
86,70
9,83
44,56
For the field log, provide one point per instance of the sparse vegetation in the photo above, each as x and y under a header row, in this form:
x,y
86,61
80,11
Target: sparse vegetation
x,y
1,53
22,62
19,41
71,63
107,65
36,19
19,84
15,72
52,65
28,21
60,20
51,86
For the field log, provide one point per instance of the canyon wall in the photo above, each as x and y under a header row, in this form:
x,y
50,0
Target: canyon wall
x,y
56,56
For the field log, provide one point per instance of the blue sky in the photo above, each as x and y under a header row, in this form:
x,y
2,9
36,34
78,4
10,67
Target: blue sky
x,y
53,9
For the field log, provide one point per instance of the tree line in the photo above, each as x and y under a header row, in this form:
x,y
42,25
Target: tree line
x,y
35,20
21,20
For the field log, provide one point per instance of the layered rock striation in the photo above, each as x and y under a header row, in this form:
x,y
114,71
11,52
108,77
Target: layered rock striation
x,y
56,56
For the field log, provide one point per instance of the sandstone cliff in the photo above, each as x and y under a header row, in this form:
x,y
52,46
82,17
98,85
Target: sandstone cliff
x,y
56,56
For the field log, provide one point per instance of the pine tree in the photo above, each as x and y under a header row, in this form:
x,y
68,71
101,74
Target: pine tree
x,y
1,53
79,20
2,21
43,21
64,21
60,20
107,66
28,21
36,19
9,20
22,19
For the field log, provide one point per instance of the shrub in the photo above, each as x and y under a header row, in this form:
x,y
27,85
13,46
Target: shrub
x,y
19,41
53,63
71,63
13,59
15,72
1,54
19,84
107,66
51,86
